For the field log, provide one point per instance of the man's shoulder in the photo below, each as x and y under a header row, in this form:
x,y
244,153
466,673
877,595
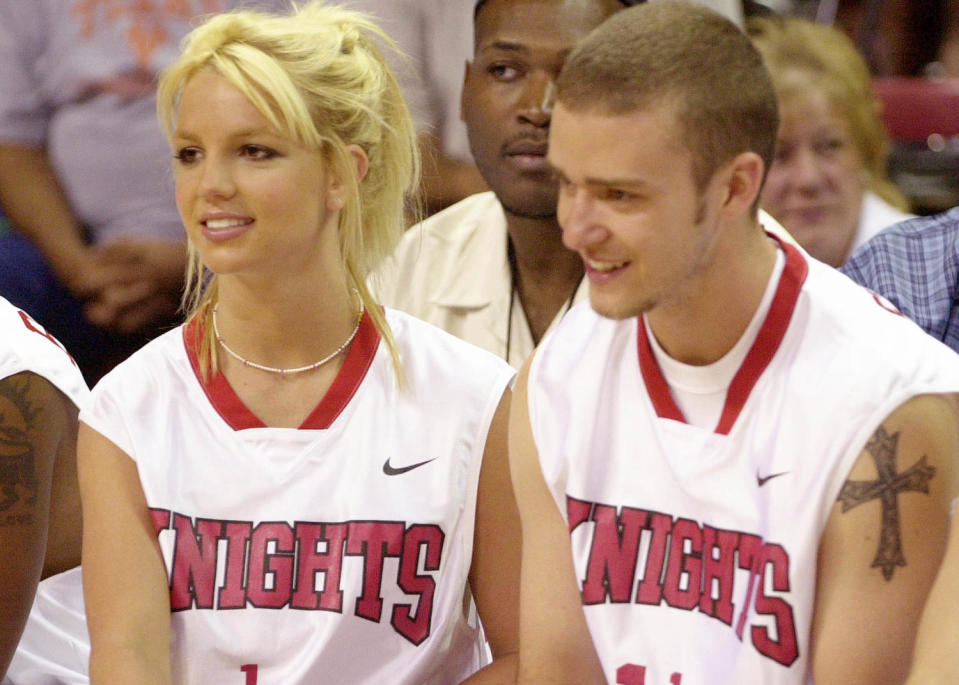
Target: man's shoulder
x,y
449,256
481,212
862,328
436,356
460,229
914,264
920,245
27,346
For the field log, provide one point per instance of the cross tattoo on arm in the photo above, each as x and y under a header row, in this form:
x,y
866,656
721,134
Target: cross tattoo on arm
x,y
886,488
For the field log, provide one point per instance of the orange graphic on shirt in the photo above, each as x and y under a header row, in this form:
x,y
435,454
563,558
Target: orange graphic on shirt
x,y
146,20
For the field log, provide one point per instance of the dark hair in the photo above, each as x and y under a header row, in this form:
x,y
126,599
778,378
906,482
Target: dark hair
x,y
687,56
751,8
480,3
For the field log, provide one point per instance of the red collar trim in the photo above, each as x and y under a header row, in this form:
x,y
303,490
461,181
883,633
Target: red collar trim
x,y
239,417
757,359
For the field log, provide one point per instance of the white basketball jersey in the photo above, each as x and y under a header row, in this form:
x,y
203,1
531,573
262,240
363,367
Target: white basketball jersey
x,y
54,644
337,552
26,346
696,549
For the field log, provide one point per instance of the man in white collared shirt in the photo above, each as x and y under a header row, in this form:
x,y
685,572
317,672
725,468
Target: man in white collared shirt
x,y
454,271
492,268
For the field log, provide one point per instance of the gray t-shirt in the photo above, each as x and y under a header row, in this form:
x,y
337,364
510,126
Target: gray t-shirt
x,y
78,78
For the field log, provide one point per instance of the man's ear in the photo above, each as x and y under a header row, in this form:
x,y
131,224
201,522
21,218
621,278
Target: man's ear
x,y
335,197
742,179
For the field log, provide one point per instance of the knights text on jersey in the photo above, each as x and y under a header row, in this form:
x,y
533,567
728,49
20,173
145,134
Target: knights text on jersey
x,y
337,552
696,550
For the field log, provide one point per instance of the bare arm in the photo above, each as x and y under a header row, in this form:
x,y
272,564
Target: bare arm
x,y
36,422
494,574
36,204
124,579
127,285
882,545
149,280
555,643
65,530
935,660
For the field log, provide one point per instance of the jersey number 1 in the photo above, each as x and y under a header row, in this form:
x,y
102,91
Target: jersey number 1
x,y
250,670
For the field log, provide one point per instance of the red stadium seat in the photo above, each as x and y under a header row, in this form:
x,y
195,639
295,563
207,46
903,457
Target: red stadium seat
x,y
922,118
915,108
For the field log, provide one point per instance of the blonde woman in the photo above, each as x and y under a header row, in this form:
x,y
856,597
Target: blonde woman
x,y
827,184
296,486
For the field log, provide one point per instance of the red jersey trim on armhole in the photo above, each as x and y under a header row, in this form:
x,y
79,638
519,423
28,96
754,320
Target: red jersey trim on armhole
x,y
236,414
757,359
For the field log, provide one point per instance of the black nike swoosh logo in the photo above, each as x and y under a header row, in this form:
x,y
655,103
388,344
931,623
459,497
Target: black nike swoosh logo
x,y
762,480
391,471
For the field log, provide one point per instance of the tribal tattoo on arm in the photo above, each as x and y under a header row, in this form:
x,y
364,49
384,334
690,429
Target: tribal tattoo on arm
x,y
883,448
18,477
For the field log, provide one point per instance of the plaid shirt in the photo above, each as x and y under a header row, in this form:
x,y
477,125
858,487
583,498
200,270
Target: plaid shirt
x,y
915,264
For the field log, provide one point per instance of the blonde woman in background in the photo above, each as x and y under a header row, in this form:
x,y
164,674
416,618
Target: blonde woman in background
x,y
827,184
296,486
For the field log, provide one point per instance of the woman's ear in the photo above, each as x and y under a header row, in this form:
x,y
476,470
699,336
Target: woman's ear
x,y
335,197
360,160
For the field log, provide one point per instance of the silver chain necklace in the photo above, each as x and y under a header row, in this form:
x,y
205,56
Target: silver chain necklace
x,y
286,372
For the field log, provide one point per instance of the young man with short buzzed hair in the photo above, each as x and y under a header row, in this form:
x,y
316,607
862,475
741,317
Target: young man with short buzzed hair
x,y
735,466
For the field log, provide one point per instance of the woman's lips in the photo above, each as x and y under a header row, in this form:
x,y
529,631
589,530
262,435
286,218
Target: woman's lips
x,y
223,229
